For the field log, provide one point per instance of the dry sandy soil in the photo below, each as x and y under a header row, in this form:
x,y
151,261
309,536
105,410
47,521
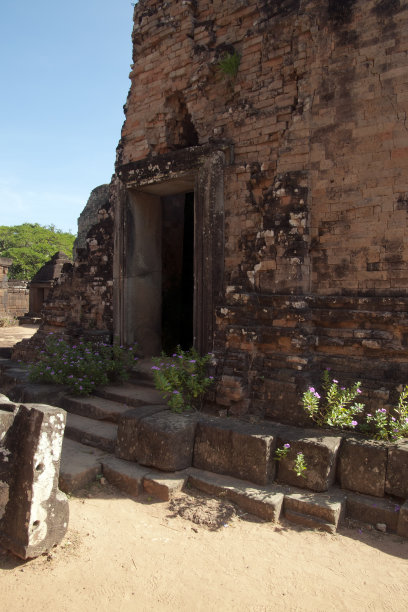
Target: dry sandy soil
x,y
196,553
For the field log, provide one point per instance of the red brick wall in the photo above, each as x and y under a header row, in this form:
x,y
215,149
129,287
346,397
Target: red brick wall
x,y
316,200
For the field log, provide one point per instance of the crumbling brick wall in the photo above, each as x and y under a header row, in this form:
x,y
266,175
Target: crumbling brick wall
x,y
18,297
315,201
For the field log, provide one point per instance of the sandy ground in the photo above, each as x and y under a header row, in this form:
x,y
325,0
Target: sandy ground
x,y
122,554
196,553
9,336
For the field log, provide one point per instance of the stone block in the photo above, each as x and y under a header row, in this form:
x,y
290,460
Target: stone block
x,y
236,448
265,502
372,510
402,527
315,511
126,476
165,441
80,465
362,466
127,437
320,453
164,486
36,515
396,480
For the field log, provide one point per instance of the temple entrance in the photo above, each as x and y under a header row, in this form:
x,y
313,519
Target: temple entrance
x,y
177,271
168,260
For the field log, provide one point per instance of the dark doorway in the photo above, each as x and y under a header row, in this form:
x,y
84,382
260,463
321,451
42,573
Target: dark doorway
x,y
177,271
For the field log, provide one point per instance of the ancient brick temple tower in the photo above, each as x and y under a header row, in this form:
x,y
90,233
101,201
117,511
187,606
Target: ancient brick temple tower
x,y
261,213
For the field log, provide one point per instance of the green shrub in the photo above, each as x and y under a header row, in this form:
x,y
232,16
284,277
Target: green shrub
x,y
83,365
229,64
182,378
337,407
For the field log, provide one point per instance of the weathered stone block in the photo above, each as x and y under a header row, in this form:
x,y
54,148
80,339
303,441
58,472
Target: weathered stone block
x,y
323,512
320,453
128,431
166,441
36,515
396,480
164,486
263,502
240,449
362,466
372,510
126,476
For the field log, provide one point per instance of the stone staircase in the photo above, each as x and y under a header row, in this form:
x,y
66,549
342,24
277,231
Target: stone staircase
x,y
127,434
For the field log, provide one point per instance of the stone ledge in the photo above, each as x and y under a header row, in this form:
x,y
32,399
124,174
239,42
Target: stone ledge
x,y
367,509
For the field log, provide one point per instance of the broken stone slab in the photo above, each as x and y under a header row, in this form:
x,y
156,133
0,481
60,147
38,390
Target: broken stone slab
x,y
80,465
396,480
164,486
238,449
36,515
373,510
320,454
265,502
322,511
38,393
402,527
91,433
128,431
166,440
126,476
362,466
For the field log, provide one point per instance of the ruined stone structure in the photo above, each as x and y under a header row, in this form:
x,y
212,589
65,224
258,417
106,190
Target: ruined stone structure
x,y
13,293
290,251
43,280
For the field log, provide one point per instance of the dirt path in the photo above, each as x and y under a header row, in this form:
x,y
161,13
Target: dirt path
x,y
121,554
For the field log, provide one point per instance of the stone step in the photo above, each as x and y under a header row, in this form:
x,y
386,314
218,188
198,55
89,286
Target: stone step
x,y
265,502
134,479
323,511
130,394
80,465
98,434
97,408
142,372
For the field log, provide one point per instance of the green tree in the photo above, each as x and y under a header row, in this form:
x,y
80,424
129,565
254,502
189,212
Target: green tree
x,y
31,245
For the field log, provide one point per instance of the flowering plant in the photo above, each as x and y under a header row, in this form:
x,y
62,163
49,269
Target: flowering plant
x,y
182,378
83,365
391,425
337,408
299,465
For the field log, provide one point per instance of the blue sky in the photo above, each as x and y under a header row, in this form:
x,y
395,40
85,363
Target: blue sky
x,y
64,80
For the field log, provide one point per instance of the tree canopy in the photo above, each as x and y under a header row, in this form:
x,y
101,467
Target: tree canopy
x,y
31,245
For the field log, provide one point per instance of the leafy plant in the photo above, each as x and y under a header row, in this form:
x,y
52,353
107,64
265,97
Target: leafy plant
x,y
182,378
82,366
337,408
390,425
229,64
299,466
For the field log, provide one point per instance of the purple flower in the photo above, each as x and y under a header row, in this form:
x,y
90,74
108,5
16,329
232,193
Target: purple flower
x,y
212,378
192,361
359,391
317,395
312,389
335,381
155,368
176,392
286,445
354,423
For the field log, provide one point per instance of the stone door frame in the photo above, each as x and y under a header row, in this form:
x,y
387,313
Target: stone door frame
x,y
137,251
